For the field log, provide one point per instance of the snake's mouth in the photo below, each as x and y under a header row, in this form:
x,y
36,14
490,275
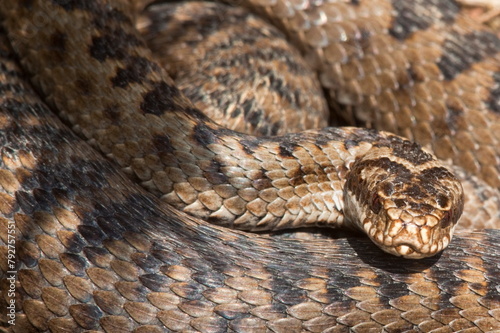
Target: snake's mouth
x,y
409,251
411,241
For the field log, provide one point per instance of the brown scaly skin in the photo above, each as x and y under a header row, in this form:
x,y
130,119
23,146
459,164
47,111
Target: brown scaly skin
x,y
94,69
415,68
236,67
75,270
96,252
192,38
43,203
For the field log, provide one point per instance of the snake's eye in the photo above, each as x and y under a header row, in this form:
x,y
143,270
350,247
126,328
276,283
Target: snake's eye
x,y
442,201
445,220
376,205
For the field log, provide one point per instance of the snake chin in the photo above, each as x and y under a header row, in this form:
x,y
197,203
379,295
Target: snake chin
x,y
407,240
405,244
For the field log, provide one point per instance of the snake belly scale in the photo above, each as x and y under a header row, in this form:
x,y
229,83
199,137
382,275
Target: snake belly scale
x,y
96,252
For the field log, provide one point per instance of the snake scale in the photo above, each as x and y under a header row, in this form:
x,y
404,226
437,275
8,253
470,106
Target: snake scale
x,y
96,252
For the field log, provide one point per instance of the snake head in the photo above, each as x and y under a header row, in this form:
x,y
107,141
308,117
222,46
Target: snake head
x,y
407,209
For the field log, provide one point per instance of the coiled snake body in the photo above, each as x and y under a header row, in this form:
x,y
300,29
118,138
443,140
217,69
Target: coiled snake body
x,y
94,251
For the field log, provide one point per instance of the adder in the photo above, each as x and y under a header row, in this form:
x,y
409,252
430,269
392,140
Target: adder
x,y
95,251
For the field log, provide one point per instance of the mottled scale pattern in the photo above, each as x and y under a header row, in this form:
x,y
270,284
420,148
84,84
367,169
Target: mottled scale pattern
x,y
191,39
128,107
235,67
416,68
95,252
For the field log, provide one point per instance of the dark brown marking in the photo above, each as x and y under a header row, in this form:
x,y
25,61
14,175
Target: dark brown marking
x,y
445,220
410,151
296,176
355,183
249,146
102,15
493,101
198,115
286,148
27,3
214,174
113,45
387,189
102,19
276,127
73,262
205,22
324,137
247,106
348,144
414,191
204,135
44,199
280,87
8,87
266,55
254,117
400,203
229,313
409,17
95,253
210,278
460,52
321,142
111,227
162,143
436,173
236,112
414,75
27,257
146,262
73,4
58,41
423,207
136,72
160,99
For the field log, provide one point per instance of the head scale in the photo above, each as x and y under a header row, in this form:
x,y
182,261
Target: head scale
x,y
406,209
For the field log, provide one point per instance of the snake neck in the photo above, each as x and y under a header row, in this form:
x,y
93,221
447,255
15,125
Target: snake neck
x,y
260,183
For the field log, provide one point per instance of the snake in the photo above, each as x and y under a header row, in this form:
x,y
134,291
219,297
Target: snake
x,y
94,251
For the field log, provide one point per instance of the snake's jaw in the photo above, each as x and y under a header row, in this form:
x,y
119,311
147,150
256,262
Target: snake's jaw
x,y
405,215
404,227
412,231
